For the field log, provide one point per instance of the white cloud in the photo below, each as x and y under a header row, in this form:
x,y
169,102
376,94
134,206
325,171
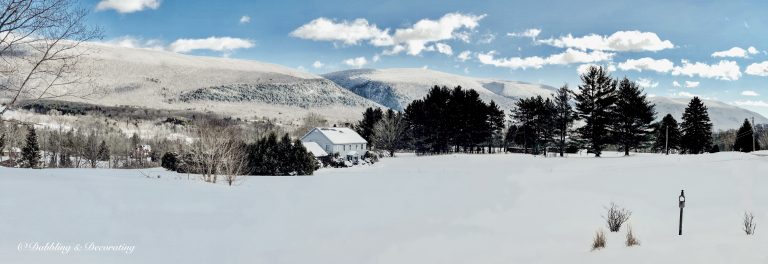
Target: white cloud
x,y
245,19
662,65
584,68
676,84
376,58
358,62
759,69
757,103
413,40
464,55
569,56
317,65
487,38
416,37
443,48
528,33
225,44
137,43
691,84
618,41
350,33
724,70
127,6
735,52
647,83
749,93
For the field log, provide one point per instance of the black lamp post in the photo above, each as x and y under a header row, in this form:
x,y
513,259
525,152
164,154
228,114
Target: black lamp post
x,y
681,200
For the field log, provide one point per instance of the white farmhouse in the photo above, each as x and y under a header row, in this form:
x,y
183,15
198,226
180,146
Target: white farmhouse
x,y
340,140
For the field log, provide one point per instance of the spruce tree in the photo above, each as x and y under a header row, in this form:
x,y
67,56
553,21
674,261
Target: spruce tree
x,y
30,153
103,151
745,137
633,116
364,127
564,116
667,127
594,102
696,128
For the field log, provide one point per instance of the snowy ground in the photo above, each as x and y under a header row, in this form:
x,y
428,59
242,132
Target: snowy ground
x,y
442,209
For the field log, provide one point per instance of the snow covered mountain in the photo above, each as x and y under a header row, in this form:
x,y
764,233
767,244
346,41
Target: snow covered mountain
x,y
723,116
242,88
396,88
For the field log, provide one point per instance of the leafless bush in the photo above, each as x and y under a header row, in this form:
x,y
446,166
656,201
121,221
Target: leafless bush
x,y
631,239
599,241
749,223
616,216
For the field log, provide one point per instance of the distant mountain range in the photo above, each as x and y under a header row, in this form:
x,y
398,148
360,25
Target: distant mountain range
x,y
245,88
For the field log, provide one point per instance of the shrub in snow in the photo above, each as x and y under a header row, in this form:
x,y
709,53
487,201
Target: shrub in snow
x,y
631,239
616,216
170,161
599,241
749,223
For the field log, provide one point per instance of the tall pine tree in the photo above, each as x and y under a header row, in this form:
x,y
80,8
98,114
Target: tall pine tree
x,y
564,116
597,94
666,128
696,128
745,138
30,153
633,116
364,127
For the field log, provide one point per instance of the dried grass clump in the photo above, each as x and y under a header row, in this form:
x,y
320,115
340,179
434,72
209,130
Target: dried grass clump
x,y
631,238
599,241
749,223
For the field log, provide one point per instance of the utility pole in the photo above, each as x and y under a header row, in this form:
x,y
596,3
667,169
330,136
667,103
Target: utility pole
x,y
666,139
681,204
754,133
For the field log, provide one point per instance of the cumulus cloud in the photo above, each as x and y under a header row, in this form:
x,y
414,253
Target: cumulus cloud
x,y
358,62
225,44
749,93
487,38
443,48
127,6
317,65
464,55
137,43
758,69
528,33
347,32
245,19
724,70
412,40
618,41
676,84
416,37
649,64
758,103
647,83
691,84
569,56
735,52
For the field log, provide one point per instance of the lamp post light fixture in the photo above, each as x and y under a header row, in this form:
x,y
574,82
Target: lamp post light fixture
x,y
681,200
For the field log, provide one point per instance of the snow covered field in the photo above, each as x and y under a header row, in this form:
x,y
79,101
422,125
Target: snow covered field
x,y
440,209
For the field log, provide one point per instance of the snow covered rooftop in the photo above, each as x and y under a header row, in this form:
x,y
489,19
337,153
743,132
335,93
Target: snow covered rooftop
x,y
315,149
342,135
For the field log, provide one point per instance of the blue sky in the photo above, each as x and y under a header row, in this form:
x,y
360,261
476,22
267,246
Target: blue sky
x,y
714,49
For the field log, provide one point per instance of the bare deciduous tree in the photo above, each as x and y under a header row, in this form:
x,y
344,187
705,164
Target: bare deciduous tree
x,y
388,133
40,49
215,152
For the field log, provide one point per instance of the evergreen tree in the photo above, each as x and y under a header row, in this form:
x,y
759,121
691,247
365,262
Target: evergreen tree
x,y
745,138
667,127
91,149
633,116
495,124
696,128
30,153
564,116
103,151
364,127
594,102
535,115
170,161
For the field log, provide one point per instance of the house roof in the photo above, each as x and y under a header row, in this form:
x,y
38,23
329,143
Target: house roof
x,y
341,135
314,148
